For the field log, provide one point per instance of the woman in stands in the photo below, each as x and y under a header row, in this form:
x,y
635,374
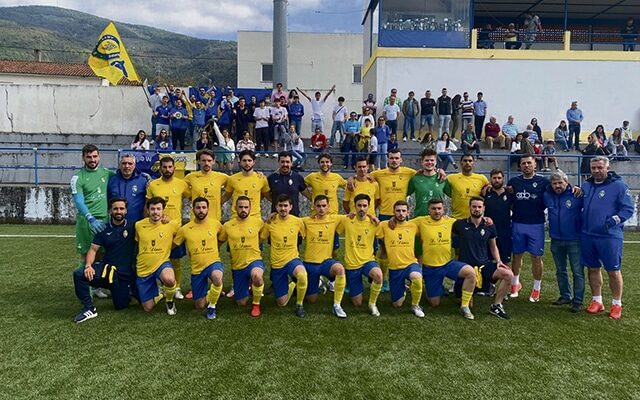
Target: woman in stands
x,y
204,142
444,147
619,151
536,128
516,149
562,135
593,148
163,141
140,142
228,148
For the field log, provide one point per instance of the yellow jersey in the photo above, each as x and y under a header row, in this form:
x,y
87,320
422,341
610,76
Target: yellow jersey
x,y
327,185
461,188
253,186
359,237
244,240
372,189
210,187
393,186
154,244
436,240
202,243
319,237
283,236
399,243
172,192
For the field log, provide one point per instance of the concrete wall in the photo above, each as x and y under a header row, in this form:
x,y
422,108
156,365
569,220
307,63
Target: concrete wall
x,y
315,62
30,79
93,110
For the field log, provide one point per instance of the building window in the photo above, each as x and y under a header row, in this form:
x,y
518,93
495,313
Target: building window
x,y
357,73
267,73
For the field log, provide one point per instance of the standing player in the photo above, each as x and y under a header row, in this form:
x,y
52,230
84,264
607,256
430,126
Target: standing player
x,y
462,186
154,247
498,203
207,183
286,181
359,258
318,261
607,205
399,242
89,191
437,263
201,238
115,271
362,185
426,185
130,184
476,239
325,183
283,232
172,190
242,232
247,183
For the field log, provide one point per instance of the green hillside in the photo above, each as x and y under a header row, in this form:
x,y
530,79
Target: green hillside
x,y
160,56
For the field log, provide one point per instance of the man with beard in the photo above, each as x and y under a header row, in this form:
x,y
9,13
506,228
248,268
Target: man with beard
x,y
325,182
130,184
363,184
172,190
286,181
201,238
207,183
498,203
242,232
248,183
462,186
115,271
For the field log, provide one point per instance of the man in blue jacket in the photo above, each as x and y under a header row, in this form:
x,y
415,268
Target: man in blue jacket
x,y
296,112
130,184
564,211
607,205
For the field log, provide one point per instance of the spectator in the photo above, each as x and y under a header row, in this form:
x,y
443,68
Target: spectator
x,y
316,107
370,103
561,136
390,113
394,93
292,95
297,151
296,112
637,145
548,154
241,114
591,150
574,118
339,116
154,101
280,124
286,139
601,138
479,114
163,115
410,110
233,99
253,104
179,124
140,142
536,128
511,41
618,150
627,134
163,141
228,151
428,142
531,134
444,112
351,128
246,143
492,133
261,115
516,150
427,113
467,112
198,116
373,152
367,116
469,141
525,145
444,148
382,134
393,142
225,112
318,141
509,129
456,115
484,38
364,136
533,26
629,34
278,92
204,142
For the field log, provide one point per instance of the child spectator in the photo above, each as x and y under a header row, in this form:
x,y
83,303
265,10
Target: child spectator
x,y
318,141
364,136
548,154
140,142
393,142
297,151
246,143
373,152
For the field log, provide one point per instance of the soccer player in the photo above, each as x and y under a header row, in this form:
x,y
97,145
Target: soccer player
x,y
172,190
89,191
462,186
363,185
115,271
498,203
426,185
320,236
201,238
476,239
399,242
207,183
325,183
359,258
247,183
437,262
607,205
242,232
154,247
286,181
283,232
130,184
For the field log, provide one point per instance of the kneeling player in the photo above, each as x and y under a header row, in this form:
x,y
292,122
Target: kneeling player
x,y
283,233
201,236
243,234
114,272
154,247
399,239
359,255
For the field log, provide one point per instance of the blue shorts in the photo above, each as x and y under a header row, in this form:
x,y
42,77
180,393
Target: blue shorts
x,y
200,282
336,241
178,252
505,246
487,272
434,276
354,277
314,270
528,238
242,279
148,286
596,252
397,277
280,277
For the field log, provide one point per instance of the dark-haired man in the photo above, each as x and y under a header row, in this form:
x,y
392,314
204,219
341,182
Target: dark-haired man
x,y
286,181
247,182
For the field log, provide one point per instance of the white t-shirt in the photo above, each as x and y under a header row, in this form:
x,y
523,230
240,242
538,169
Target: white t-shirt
x,y
316,108
373,144
298,147
261,113
278,113
341,113
391,112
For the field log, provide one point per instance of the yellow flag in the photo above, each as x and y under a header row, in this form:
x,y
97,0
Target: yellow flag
x,y
109,59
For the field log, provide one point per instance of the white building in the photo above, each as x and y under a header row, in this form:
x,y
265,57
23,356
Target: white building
x,y
316,61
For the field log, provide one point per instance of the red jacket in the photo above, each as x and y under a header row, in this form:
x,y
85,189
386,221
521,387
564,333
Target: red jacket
x,y
319,140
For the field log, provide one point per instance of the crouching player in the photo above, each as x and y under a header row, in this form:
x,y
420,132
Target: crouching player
x,y
154,247
359,254
115,271
201,237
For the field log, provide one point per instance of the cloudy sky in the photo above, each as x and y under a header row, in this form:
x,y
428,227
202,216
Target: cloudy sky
x,y
218,19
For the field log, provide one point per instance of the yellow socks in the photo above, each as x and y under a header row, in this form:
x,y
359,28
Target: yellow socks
x,y
301,287
213,294
157,299
257,293
374,292
466,298
338,288
384,266
416,291
177,269
170,292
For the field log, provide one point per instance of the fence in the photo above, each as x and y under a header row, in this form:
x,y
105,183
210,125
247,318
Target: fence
x,y
522,38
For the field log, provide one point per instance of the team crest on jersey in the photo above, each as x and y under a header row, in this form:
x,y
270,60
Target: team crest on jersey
x,y
204,243
291,230
366,231
399,236
535,184
567,203
504,198
125,234
326,192
153,243
175,191
290,182
206,190
481,232
285,238
134,188
602,193
359,238
253,185
103,180
210,233
250,231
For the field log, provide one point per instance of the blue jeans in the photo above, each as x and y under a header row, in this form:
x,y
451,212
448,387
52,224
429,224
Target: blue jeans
x,y
574,135
349,146
426,120
337,126
561,250
445,160
298,158
393,126
409,124
298,125
443,126
382,155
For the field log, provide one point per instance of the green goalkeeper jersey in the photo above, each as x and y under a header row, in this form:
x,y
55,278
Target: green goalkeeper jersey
x,y
92,184
425,188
